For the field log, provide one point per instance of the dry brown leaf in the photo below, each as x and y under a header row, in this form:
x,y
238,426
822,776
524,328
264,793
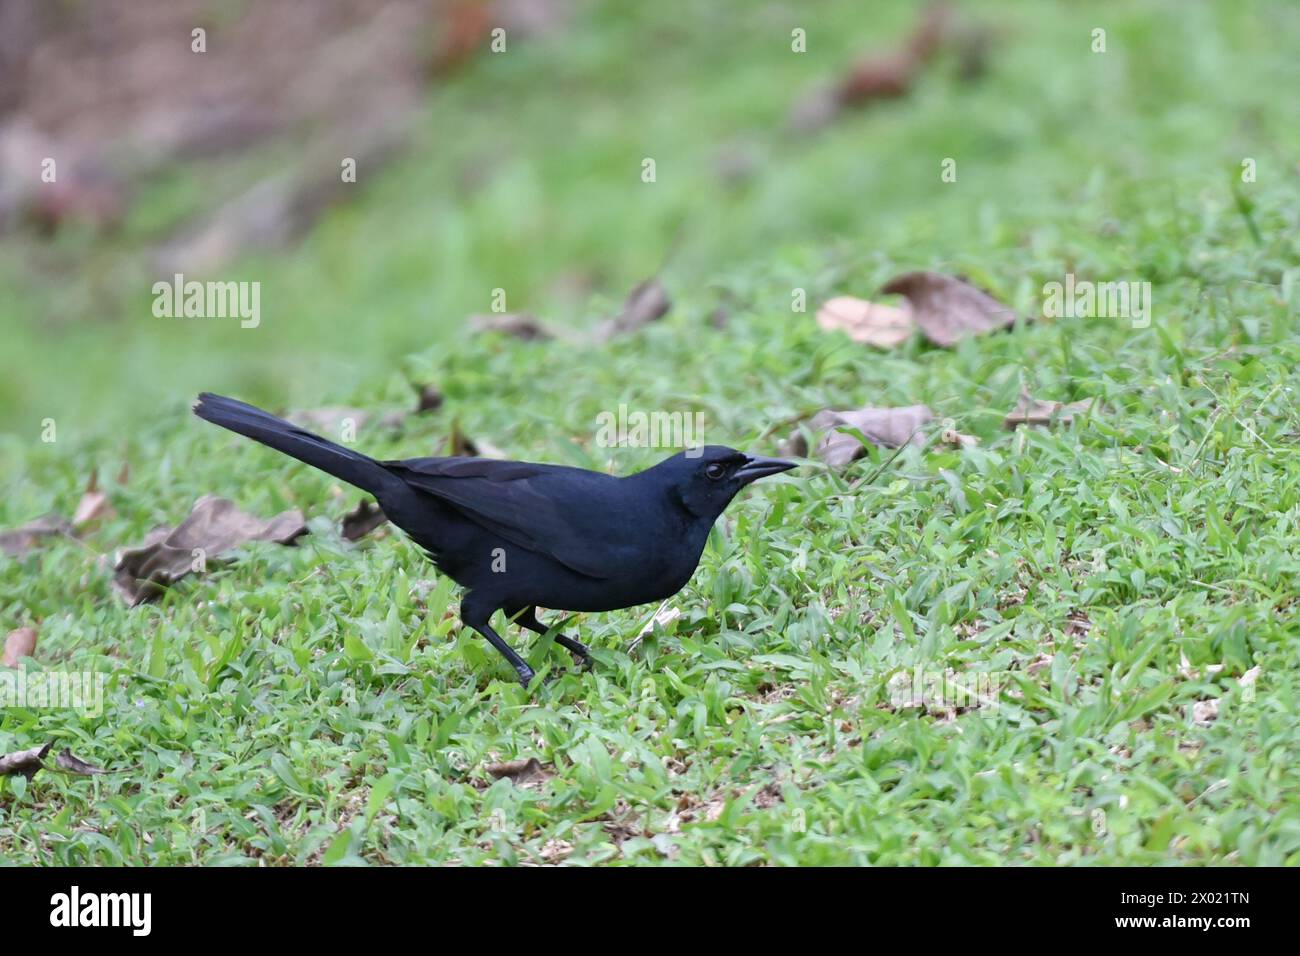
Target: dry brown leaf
x,y
555,851
950,436
890,75
93,504
428,398
522,771
25,762
19,541
948,309
880,76
213,527
520,325
465,25
1205,712
974,46
92,507
871,323
361,520
883,427
19,643
1036,411
662,618
69,762
28,762
460,445
644,304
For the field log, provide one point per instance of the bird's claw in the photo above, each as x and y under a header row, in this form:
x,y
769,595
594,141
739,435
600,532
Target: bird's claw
x,y
527,678
580,652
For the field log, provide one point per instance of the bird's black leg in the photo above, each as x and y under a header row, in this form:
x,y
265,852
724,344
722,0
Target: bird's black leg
x,y
578,649
478,617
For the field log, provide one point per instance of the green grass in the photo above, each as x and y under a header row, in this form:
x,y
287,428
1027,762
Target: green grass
x,y
319,703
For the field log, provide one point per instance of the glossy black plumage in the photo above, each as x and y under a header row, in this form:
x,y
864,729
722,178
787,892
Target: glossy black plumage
x,y
518,535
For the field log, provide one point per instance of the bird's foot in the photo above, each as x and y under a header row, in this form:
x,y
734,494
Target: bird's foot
x,y
527,676
581,653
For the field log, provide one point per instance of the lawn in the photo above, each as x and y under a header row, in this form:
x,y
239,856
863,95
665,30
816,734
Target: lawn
x,y
1109,579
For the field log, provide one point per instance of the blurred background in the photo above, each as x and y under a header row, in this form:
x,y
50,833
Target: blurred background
x,y
778,131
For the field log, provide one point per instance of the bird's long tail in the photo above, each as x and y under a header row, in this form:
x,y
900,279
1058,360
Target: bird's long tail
x,y
344,463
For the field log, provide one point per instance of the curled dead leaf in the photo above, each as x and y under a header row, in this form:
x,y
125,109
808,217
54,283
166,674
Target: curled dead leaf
x,y
1036,411
647,302
70,763
662,618
871,323
950,436
883,75
361,520
213,527
28,762
948,309
93,505
19,643
460,445
25,762
19,541
882,427
1205,712
427,398
519,325
522,771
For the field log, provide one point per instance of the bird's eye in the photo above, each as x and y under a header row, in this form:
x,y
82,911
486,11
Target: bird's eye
x,y
715,471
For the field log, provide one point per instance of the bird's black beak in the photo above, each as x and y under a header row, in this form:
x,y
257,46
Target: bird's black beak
x,y
759,467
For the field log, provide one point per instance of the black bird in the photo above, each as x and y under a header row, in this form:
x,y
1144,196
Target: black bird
x,y
518,536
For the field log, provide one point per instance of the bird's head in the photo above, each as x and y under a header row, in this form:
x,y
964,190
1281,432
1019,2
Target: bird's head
x,y
704,480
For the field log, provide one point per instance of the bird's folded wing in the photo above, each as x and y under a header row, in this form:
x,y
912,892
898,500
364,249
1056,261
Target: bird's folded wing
x,y
528,505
